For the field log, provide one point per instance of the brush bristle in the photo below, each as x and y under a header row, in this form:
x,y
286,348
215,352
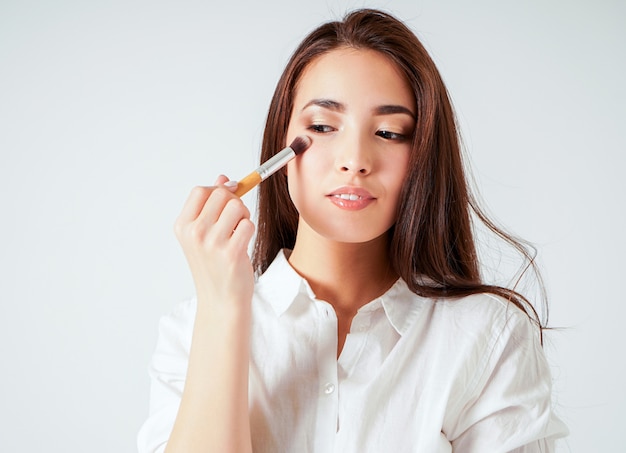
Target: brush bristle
x,y
300,144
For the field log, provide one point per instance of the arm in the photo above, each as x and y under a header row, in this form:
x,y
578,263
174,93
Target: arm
x,y
214,231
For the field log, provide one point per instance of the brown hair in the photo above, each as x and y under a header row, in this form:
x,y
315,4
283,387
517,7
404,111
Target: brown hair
x,y
432,245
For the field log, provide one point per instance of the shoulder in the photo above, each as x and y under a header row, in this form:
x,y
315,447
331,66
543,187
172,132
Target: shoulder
x,y
490,339
485,313
476,315
471,332
502,380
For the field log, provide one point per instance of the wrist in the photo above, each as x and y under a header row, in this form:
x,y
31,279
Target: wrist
x,y
228,312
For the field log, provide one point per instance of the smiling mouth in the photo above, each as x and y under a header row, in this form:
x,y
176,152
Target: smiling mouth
x,y
348,196
350,193
351,198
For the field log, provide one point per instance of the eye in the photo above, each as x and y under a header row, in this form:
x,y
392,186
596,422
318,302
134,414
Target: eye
x,y
321,128
388,135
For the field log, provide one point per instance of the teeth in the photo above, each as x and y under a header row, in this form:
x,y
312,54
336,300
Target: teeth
x,y
348,196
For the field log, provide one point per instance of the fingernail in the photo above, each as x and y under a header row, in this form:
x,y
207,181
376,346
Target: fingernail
x,y
231,184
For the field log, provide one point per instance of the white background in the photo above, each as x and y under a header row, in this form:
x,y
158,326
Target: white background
x,y
111,111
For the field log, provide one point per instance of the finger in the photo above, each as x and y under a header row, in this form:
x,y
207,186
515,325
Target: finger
x,y
221,179
231,185
199,195
194,204
242,234
234,212
224,181
214,206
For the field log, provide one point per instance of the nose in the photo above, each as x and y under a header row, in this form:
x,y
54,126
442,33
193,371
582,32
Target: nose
x,y
354,158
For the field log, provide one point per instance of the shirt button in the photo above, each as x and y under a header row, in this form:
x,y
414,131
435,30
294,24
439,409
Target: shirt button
x,y
329,388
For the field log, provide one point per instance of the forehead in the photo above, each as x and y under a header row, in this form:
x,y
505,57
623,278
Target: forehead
x,y
348,73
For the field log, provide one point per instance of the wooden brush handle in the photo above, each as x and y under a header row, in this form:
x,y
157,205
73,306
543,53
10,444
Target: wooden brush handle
x,y
248,183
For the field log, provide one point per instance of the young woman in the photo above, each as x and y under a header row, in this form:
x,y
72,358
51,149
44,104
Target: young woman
x,y
368,328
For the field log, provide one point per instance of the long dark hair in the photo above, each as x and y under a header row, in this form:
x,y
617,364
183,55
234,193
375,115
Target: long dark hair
x,y
432,244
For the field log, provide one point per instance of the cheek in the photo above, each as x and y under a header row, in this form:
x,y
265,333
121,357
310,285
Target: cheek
x,y
396,174
307,167
394,181
296,181
305,176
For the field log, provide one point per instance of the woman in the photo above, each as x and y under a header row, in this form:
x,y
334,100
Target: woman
x,y
369,328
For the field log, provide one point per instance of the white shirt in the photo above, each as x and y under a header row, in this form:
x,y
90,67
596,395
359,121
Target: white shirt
x,y
415,374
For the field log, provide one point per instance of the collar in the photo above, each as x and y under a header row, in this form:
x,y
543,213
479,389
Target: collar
x,y
281,285
402,306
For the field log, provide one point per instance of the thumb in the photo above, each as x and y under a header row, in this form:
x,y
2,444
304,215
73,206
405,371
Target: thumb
x,y
223,180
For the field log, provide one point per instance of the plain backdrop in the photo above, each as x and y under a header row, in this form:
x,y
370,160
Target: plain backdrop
x,y
111,111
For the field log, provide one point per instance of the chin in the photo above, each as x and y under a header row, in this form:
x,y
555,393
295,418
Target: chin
x,y
351,235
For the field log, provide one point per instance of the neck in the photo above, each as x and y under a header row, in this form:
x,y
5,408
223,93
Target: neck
x,y
346,275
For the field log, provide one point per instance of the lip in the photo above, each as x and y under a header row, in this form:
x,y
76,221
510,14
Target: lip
x,y
351,198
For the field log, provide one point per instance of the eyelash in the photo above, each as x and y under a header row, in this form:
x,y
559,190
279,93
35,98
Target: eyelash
x,y
387,135
321,128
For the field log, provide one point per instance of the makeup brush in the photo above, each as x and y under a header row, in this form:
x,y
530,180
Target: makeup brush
x,y
273,164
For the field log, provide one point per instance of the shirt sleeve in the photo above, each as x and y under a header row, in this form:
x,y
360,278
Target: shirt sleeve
x,y
509,408
168,370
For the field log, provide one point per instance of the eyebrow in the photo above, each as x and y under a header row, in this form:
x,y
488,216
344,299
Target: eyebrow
x,y
327,104
393,109
335,106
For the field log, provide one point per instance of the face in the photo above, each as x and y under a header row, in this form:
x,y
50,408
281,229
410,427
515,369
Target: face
x,y
360,113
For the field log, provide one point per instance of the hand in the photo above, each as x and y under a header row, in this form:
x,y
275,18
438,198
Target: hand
x,y
214,230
